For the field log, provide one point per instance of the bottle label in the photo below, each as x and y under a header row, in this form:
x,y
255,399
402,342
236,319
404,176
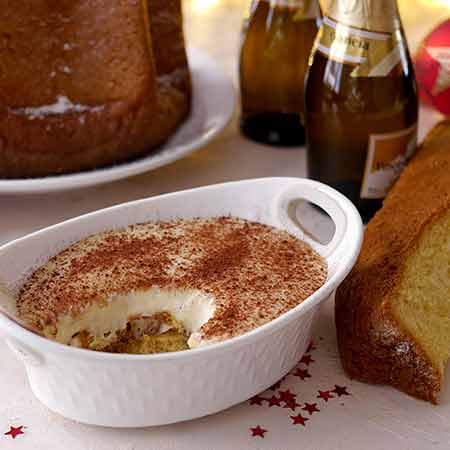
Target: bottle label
x,y
372,54
387,156
304,9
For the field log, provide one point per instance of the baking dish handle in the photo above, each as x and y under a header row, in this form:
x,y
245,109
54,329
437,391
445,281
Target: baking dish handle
x,y
348,225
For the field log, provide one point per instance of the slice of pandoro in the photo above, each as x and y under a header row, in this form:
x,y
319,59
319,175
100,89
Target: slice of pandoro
x,y
393,310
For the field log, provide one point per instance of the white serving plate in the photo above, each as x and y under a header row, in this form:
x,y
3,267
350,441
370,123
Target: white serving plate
x,y
142,390
213,104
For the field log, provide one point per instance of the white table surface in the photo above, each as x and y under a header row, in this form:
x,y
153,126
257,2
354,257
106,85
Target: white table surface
x,y
371,417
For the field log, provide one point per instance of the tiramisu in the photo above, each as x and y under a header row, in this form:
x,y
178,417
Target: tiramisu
x,y
168,286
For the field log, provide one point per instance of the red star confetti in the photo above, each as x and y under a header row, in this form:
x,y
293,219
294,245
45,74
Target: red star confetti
x,y
307,359
299,420
311,408
287,395
14,431
274,401
291,404
325,395
258,431
311,347
340,390
257,400
302,373
277,385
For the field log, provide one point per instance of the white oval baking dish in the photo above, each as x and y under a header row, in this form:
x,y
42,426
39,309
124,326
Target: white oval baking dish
x,y
136,391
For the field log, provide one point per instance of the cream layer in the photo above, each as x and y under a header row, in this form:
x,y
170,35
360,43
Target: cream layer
x,y
192,308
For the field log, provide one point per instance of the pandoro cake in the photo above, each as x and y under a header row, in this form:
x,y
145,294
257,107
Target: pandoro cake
x,y
88,83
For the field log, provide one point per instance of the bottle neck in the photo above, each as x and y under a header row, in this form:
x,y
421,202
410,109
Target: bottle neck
x,y
304,8
371,15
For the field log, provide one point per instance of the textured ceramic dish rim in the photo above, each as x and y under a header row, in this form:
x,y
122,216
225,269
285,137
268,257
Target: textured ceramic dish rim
x,y
221,111
323,293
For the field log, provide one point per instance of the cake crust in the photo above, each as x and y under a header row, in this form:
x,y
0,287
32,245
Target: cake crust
x,y
374,345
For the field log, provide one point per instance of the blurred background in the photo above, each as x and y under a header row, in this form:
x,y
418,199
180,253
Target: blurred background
x,y
215,26
419,16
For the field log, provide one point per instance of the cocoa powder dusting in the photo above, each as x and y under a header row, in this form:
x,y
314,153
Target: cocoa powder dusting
x,y
254,272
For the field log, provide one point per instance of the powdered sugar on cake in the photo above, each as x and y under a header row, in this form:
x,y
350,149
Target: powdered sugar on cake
x,y
62,106
174,77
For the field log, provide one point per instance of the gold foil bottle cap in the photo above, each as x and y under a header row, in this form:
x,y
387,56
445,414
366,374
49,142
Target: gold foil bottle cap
x,y
372,15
